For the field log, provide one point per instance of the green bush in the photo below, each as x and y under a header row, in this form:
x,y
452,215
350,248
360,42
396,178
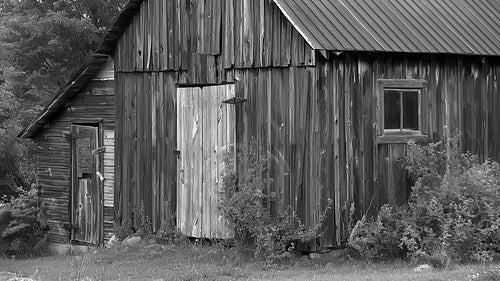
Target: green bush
x,y
122,231
456,212
170,233
23,227
245,201
453,211
379,238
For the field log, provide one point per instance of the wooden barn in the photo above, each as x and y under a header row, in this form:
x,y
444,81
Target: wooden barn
x,y
74,138
332,90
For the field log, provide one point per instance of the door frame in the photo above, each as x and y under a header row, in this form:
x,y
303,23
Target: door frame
x,y
99,124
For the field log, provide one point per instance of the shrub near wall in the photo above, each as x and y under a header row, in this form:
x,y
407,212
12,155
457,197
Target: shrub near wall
x,y
453,210
245,201
23,229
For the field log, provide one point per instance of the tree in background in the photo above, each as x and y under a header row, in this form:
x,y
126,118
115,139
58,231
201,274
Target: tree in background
x,y
41,43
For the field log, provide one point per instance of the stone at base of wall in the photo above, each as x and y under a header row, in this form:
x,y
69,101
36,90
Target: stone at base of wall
x,y
58,249
333,255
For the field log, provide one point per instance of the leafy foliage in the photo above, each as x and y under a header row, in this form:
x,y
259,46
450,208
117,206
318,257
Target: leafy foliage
x,y
379,238
171,234
42,42
245,202
122,231
145,224
453,212
23,227
16,164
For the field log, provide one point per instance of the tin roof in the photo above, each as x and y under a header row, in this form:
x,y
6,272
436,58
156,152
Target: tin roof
x,y
469,27
77,82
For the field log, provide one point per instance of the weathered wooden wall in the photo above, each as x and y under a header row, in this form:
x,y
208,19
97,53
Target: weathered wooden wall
x,y
109,182
315,117
462,93
181,42
200,37
94,104
145,146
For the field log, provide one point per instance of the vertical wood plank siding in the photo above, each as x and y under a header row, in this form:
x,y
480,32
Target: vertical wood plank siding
x,y
212,36
172,43
145,146
94,104
314,117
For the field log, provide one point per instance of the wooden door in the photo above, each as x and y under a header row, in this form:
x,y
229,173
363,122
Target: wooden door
x,y
86,192
205,130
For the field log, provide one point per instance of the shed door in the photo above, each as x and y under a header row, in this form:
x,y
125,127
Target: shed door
x,y
86,192
205,129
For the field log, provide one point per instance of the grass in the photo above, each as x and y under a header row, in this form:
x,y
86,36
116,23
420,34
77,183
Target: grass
x,y
198,262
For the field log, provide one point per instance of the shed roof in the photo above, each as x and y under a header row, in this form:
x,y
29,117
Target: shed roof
x,y
119,26
468,27
77,82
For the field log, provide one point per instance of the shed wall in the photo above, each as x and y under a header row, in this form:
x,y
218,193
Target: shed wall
x,y
94,104
462,93
183,43
209,36
315,117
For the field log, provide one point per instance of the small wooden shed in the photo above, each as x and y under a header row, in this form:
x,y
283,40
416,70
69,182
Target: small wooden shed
x,y
74,137
331,89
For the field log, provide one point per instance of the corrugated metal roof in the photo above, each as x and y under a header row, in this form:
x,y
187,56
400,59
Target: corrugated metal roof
x,y
408,26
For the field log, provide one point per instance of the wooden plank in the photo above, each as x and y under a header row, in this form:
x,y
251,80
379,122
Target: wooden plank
x,y
183,32
248,30
212,190
276,36
169,14
163,35
309,55
169,206
147,35
155,36
178,45
258,34
206,166
268,31
200,27
216,27
181,219
137,26
238,34
185,125
286,41
339,150
197,147
349,131
207,24
228,35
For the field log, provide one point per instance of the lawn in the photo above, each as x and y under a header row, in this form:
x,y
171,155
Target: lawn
x,y
197,262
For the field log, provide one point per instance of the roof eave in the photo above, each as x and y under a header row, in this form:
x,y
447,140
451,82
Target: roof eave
x,y
74,85
119,26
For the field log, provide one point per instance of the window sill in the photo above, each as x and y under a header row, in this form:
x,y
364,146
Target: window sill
x,y
402,138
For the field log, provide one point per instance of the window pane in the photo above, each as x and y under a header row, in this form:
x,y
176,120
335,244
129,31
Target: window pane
x,y
392,109
410,110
